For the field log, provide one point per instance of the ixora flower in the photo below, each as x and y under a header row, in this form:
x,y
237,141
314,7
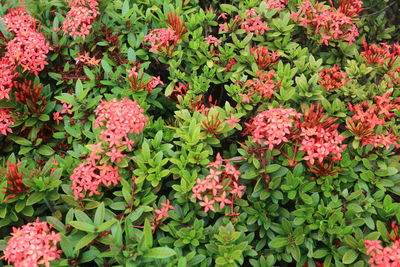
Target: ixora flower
x,y
272,127
33,245
5,121
119,119
332,78
7,76
328,23
29,50
19,21
80,17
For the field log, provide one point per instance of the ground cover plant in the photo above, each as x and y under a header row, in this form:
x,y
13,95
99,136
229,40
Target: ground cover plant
x,y
199,133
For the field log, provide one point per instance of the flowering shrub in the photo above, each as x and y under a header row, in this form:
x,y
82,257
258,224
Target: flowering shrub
x,y
199,133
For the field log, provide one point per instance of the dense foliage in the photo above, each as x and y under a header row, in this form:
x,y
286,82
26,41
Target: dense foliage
x,y
199,133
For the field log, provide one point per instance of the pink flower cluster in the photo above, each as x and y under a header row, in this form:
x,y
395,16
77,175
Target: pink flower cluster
x,y
165,39
332,78
5,121
272,127
29,48
383,256
80,17
367,117
264,84
330,23
7,75
89,176
252,23
211,40
17,21
161,39
32,245
119,118
279,4
220,186
85,59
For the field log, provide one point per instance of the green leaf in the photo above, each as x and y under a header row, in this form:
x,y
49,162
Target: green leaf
x,y
350,256
104,226
84,241
228,8
147,239
278,242
83,226
125,8
160,253
99,215
35,198
20,140
45,150
272,168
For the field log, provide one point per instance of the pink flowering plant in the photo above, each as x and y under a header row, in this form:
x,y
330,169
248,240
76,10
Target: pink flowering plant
x,y
199,133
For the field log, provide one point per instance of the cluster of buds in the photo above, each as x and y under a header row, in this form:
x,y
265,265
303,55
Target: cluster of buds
x,y
263,57
329,23
165,39
178,92
80,17
381,54
393,78
221,186
332,78
15,186
384,256
363,124
30,95
137,81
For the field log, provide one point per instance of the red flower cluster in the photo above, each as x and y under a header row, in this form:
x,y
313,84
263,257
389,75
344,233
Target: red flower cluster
x,y
264,84
5,121
220,186
320,139
272,127
165,39
120,118
279,4
29,48
332,78
263,57
34,244
7,75
330,23
80,17
251,23
14,181
380,54
367,117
